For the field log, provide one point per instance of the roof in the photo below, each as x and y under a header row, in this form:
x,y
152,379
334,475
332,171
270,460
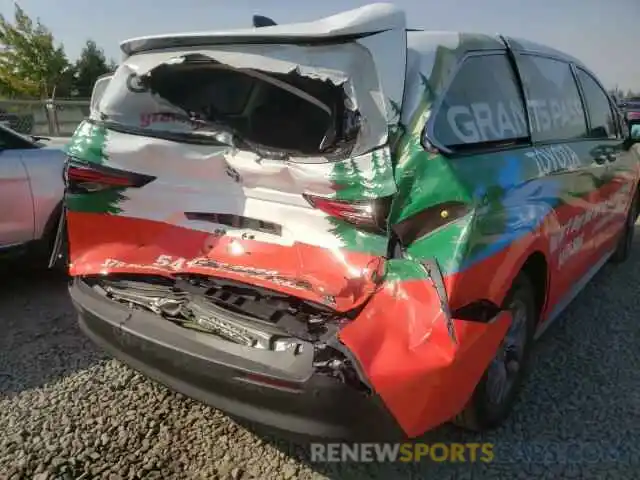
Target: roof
x,y
529,46
369,19
473,41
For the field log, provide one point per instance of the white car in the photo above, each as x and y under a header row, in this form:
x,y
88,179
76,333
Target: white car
x,y
31,192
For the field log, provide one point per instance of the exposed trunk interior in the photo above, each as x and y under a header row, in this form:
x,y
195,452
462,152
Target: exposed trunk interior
x,y
187,298
286,112
237,313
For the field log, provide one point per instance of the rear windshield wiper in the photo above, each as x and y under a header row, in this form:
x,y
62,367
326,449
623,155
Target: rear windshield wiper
x,y
184,137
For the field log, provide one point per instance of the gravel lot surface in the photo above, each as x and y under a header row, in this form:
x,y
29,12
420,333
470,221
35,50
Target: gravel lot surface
x,y
68,411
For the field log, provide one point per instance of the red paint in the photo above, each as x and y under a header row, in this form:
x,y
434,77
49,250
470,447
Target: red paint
x,y
400,337
93,238
402,343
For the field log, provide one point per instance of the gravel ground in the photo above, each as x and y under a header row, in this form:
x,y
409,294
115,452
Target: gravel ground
x,y
68,411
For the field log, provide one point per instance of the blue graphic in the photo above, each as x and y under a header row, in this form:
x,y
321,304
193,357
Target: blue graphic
x,y
520,209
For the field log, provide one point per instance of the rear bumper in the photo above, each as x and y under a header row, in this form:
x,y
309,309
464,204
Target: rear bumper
x,y
230,377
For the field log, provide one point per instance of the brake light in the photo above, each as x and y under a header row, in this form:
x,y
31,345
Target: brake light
x,y
367,215
83,174
633,115
91,178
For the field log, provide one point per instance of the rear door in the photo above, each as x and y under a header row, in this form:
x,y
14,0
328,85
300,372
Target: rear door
x,y
264,163
559,128
620,164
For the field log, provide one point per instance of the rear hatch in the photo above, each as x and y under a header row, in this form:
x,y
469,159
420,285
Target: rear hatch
x,y
252,165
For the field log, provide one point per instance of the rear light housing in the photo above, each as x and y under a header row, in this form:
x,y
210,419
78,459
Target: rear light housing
x,y
83,177
367,215
429,220
633,115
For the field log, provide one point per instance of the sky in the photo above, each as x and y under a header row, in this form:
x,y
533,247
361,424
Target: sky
x,y
604,34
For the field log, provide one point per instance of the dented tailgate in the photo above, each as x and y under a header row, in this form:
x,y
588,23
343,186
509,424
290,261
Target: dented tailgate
x,y
261,162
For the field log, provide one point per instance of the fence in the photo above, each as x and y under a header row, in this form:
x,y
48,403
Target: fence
x,y
57,118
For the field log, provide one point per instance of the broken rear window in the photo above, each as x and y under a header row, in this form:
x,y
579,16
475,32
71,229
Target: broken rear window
x,y
285,107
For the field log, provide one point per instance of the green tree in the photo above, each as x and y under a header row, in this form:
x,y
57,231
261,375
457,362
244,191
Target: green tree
x,y
90,65
30,63
89,145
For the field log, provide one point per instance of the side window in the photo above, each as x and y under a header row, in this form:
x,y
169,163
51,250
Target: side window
x,y
8,141
98,90
482,104
601,117
553,99
5,141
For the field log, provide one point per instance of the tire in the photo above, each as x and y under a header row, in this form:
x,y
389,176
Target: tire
x,y
484,412
625,243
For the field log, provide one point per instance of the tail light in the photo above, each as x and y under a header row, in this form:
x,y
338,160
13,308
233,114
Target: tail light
x,y
429,220
87,178
369,215
633,115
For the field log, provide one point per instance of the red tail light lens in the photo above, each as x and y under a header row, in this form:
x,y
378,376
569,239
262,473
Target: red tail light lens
x,y
366,215
86,178
633,115
77,174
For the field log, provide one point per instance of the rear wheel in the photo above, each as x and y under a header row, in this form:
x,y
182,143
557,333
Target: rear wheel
x,y
496,393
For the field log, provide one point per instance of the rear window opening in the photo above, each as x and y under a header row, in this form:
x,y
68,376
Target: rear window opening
x,y
257,110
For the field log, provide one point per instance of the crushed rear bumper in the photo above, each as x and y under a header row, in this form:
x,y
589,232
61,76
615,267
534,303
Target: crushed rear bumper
x,y
272,389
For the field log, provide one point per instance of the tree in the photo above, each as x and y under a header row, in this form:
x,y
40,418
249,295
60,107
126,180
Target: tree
x,y
91,64
30,63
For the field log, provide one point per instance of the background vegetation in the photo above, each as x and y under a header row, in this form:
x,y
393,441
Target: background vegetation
x,y
34,65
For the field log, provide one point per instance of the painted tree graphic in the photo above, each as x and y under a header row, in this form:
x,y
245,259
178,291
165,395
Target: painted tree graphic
x,y
88,143
340,178
350,183
380,173
396,127
413,166
88,146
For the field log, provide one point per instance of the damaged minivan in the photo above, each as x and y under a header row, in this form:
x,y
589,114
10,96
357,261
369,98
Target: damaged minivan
x,y
343,227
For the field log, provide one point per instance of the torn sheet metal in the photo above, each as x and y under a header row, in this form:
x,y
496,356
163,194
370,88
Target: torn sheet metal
x,y
129,229
348,66
370,70
380,27
435,275
404,347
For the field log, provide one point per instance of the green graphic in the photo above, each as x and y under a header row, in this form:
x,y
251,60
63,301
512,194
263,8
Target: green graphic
x,y
88,143
88,146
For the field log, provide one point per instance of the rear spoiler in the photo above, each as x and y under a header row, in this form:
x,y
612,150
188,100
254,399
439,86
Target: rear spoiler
x,y
340,28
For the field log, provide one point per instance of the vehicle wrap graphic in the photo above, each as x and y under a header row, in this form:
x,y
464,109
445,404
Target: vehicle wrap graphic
x,y
520,202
